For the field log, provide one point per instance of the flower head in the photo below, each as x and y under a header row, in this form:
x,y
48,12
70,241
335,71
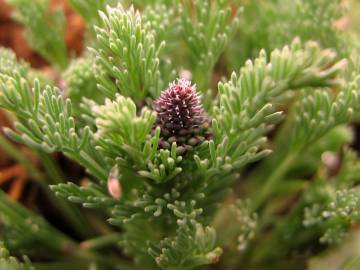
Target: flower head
x,y
180,115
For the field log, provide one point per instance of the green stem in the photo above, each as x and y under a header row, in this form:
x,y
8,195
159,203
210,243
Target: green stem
x,y
69,211
15,213
102,241
109,260
203,78
52,170
14,153
72,212
352,264
73,264
82,259
273,182
101,227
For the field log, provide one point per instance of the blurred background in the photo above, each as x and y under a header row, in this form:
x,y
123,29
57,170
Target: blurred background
x,y
16,177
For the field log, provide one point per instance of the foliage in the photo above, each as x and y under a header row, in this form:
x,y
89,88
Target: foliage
x,y
207,31
135,68
80,83
339,209
89,10
189,176
182,253
279,21
9,65
21,229
45,29
11,263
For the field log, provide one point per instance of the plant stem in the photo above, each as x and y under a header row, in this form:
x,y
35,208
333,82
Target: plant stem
x,y
14,153
71,212
273,181
353,263
82,259
73,264
102,241
53,171
16,214
108,260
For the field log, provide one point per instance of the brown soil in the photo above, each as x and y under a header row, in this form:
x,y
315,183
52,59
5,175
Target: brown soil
x,y
11,33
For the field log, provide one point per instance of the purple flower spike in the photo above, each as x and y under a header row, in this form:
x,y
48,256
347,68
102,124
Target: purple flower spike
x,y
180,116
